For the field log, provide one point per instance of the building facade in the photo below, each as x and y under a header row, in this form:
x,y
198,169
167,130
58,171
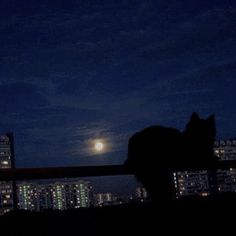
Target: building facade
x,y
189,183
199,182
225,149
57,196
141,194
27,196
7,188
104,199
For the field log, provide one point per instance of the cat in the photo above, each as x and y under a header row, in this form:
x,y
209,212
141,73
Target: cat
x,y
156,151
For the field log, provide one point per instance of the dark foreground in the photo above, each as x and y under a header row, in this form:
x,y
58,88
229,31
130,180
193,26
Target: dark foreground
x,y
184,217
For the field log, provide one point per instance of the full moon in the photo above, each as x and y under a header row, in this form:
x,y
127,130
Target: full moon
x,y
99,146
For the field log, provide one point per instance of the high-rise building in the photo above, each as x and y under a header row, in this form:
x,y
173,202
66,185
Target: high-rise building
x,y
83,194
7,188
58,196
225,149
71,195
28,198
191,183
45,197
226,180
200,182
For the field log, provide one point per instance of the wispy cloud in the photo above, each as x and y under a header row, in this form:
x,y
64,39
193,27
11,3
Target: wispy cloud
x,y
73,73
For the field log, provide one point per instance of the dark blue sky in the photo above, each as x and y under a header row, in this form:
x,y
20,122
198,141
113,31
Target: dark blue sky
x,y
75,71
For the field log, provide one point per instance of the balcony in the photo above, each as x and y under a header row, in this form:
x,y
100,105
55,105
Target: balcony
x,y
198,212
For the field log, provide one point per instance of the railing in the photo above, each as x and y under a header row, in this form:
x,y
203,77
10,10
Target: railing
x,y
15,174
85,171
62,172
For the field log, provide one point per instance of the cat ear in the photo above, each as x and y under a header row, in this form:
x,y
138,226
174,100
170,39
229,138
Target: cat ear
x,y
211,119
195,117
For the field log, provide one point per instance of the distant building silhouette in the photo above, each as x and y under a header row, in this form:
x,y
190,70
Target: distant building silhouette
x,y
141,194
104,199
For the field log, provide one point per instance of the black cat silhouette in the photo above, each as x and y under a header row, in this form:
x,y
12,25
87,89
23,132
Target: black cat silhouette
x,y
156,151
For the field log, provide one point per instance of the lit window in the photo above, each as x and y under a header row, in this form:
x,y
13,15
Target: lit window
x,y
5,162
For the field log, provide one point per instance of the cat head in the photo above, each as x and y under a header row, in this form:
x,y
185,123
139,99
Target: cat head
x,y
201,131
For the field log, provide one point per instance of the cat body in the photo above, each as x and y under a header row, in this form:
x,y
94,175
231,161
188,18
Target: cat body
x,y
155,152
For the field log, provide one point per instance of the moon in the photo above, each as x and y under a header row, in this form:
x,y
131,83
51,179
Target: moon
x,y
99,146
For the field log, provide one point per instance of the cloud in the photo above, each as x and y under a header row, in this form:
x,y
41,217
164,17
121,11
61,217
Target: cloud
x,y
109,68
20,97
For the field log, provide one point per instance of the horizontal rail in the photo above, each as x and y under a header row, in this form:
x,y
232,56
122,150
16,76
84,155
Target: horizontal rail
x,y
62,172
92,171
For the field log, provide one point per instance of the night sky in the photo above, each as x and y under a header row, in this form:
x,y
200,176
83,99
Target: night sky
x,y
72,72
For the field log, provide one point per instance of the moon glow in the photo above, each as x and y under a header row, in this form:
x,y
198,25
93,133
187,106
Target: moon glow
x,y
99,146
